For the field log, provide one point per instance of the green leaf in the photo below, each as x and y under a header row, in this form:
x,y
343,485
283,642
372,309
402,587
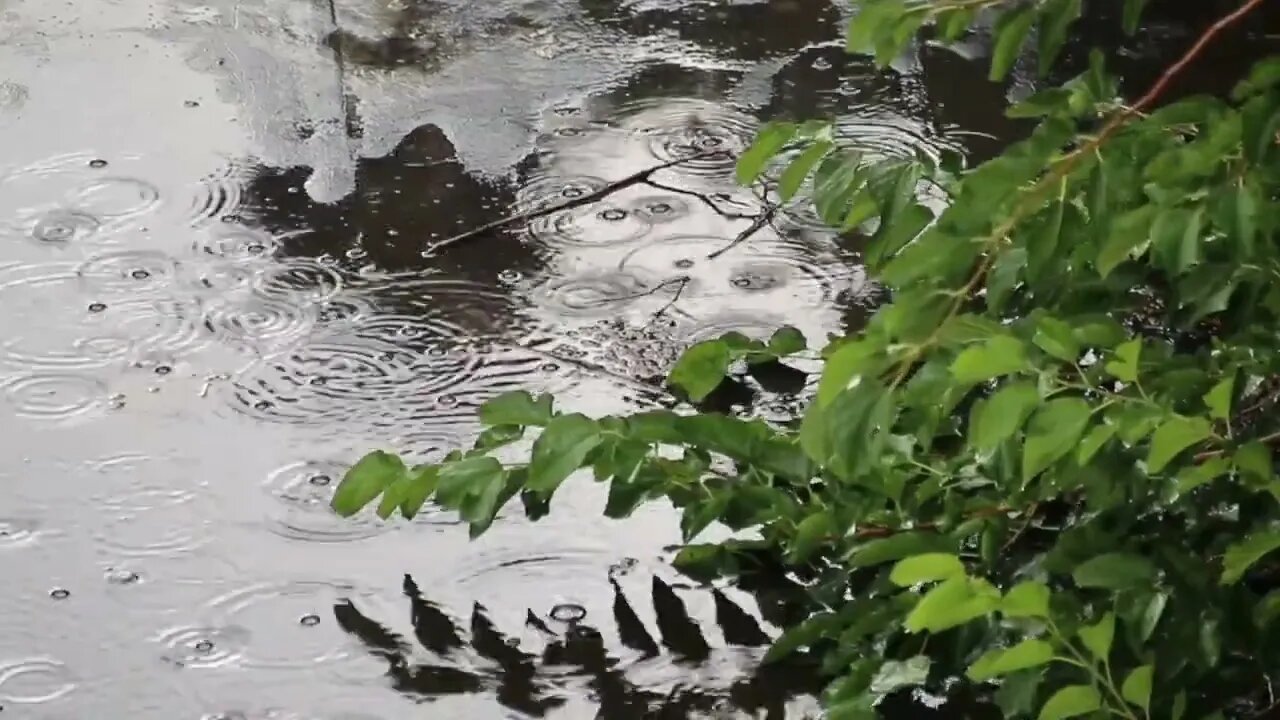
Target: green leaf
x,y
1253,461
872,22
483,502
1011,32
365,481
1125,365
1193,477
1114,571
1094,441
1003,415
814,628
459,479
1004,277
1052,433
701,369
1175,239
1002,661
898,674
1173,437
1151,615
926,568
1130,233
1027,599
794,176
703,562
1263,76
560,450
1133,15
787,341
1179,706
1017,694
858,709
1001,355
1137,687
1055,22
1219,398
1099,637
1071,701
1241,556
768,143
1056,338
497,436
851,361
517,408
421,483
1246,218
811,533
951,603
896,547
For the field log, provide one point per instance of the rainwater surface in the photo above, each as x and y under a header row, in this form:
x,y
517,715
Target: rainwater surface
x,y
222,279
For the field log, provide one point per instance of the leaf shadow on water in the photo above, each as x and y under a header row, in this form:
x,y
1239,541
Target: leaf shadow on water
x,y
482,659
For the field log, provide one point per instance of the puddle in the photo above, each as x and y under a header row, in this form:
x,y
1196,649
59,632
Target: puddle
x,y
238,248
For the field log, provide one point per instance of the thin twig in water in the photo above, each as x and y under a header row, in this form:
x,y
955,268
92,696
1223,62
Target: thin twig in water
x,y
684,281
702,197
613,187
763,219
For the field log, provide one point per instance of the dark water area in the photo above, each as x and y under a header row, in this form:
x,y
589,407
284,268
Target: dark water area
x,y
219,285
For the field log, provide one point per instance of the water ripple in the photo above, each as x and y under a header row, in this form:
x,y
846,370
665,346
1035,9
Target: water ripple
x,y
65,226
203,647
218,195
685,127
299,280
257,324
300,510
34,681
230,242
547,190
18,532
766,271
128,271
55,397
656,209
604,294
116,198
597,224
265,626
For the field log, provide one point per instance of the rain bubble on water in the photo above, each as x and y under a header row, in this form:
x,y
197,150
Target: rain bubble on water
x,y
568,613
59,593
117,576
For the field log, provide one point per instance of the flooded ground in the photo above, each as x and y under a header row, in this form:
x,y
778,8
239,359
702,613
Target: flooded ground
x,y
220,283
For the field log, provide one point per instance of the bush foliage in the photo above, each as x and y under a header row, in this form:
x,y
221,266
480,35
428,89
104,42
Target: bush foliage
x,y
1045,467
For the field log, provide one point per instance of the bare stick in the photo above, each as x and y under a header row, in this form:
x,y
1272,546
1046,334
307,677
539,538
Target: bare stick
x,y
705,200
684,281
606,191
758,224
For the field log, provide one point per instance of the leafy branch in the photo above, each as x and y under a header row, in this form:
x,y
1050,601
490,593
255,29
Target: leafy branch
x,y
1046,465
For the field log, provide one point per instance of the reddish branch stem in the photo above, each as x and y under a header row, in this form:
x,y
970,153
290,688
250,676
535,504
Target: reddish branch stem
x,y
1166,78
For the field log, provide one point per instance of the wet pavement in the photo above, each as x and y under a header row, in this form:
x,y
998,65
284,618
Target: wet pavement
x,y
220,283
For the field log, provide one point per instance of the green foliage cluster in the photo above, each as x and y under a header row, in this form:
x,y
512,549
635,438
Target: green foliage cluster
x,y
1046,466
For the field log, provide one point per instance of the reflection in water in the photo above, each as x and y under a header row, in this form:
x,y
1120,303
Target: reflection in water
x,y
557,657
191,352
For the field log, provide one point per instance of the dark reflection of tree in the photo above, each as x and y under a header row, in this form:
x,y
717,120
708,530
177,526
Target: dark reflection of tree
x,y
1168,29
418,193
482,659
